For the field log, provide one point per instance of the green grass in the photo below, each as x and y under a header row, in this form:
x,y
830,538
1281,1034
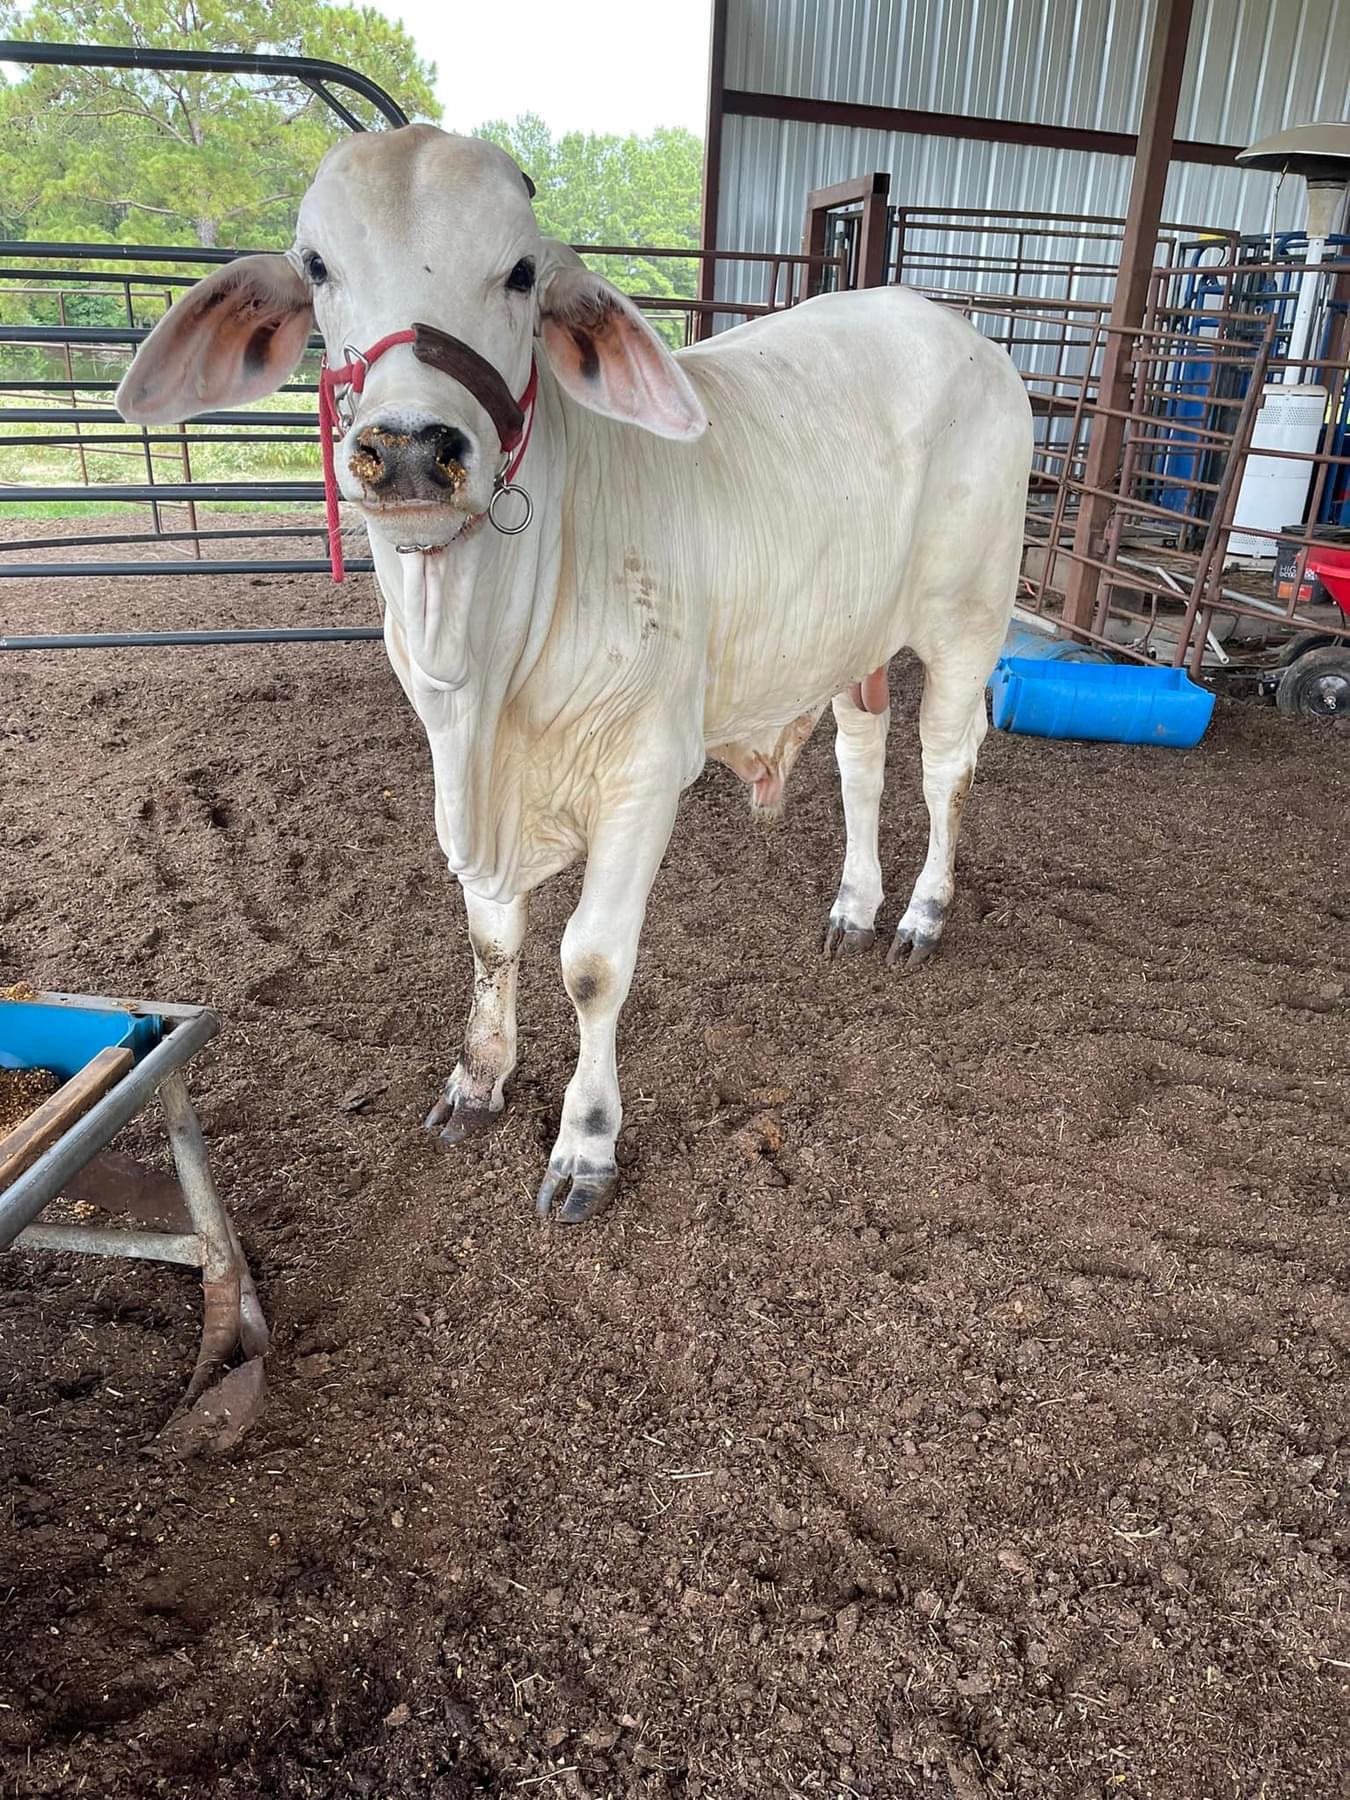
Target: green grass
x,y
96,508
51,509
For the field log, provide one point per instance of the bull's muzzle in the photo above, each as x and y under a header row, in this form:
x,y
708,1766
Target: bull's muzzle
x,y
397,464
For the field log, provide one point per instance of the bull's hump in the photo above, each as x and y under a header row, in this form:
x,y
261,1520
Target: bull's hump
x,y
413,156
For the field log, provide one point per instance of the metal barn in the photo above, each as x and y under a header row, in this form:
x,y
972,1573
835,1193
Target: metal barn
x,y
1071,176
979,104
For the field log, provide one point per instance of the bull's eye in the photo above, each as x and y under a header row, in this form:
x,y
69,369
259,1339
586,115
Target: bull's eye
x,y
521,278
316,268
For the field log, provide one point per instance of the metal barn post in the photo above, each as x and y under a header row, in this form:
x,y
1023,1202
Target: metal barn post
x,y
1166,66
712,170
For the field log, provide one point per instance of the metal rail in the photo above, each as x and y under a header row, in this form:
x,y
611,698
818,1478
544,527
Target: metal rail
x,y
94,304
316,73
195,640
39,267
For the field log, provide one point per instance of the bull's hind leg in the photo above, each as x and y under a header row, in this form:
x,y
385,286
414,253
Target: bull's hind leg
x,y
952,724
860,751
475,1093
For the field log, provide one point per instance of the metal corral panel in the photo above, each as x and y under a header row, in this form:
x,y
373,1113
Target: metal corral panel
x,y
1254,66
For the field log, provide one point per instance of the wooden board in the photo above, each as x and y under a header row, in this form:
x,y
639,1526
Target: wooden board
x,y
41,1129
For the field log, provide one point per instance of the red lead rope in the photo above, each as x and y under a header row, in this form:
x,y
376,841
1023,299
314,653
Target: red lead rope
x,y
353,375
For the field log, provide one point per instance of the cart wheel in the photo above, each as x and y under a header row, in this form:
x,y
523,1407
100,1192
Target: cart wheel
x,y
1303,643
1317,686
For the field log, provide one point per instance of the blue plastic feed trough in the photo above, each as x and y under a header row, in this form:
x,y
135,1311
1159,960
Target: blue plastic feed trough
x,y
1110,703
38,1034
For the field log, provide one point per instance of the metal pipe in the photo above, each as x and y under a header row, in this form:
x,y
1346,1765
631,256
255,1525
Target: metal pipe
x,y
109,443
94,385
193,253
1215,547
206,533
51,571
107,415
188,640
1305,310
118,1003
73,334
181,253
24,1199
348,118
93,277
205,62
210,492
194,1177
105,1240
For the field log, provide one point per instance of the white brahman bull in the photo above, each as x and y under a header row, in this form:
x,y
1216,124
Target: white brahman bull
x,y
721,543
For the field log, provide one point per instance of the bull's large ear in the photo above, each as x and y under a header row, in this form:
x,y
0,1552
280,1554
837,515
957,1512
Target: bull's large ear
x,y
606,355
233,338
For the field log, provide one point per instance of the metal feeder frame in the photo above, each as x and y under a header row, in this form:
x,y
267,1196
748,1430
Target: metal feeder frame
x,y
232,1314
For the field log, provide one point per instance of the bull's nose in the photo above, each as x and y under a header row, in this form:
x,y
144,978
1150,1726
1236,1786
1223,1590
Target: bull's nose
x,y
395,463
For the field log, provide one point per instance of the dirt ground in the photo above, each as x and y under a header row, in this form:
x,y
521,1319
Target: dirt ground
x,y
952,1404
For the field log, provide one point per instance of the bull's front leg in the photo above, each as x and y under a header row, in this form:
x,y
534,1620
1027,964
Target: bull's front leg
x,y
475,1093
599,953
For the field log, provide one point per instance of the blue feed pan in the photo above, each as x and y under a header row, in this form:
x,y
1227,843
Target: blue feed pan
x,y
1111,703
42,1034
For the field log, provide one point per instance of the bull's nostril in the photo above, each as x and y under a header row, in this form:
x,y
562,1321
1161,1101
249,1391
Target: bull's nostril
x,y
449,451
367,464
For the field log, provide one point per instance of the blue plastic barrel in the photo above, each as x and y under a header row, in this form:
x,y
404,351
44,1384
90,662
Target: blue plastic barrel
x,y
1110,703
1022,640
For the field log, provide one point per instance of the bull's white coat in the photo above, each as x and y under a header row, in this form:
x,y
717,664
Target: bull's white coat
x,y
859,487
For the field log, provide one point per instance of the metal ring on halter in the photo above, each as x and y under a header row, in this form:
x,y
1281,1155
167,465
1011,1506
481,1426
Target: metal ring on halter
x,y
344,404
510,487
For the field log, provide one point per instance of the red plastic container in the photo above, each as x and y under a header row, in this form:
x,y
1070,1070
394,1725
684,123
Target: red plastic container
x,y
1332,569
1326,575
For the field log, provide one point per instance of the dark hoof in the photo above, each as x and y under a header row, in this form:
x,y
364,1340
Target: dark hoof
x,y
454,1123
589,1189
921,947
847,940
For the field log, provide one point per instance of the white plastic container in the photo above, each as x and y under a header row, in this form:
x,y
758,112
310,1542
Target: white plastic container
x,y
1275,490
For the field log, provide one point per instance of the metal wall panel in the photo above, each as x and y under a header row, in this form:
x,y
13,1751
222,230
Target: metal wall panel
x,y
1254,67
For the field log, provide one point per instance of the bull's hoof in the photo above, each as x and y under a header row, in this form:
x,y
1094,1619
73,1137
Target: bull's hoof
x,y
589,1188
454,1121
918,934
845,939
921,947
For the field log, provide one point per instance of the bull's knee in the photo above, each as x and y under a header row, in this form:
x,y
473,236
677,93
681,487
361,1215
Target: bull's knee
x,y
590,979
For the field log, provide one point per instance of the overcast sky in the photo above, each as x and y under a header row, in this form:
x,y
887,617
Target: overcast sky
x,y
583,65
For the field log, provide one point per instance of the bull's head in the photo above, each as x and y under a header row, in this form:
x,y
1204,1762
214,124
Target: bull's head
x,y
401,227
